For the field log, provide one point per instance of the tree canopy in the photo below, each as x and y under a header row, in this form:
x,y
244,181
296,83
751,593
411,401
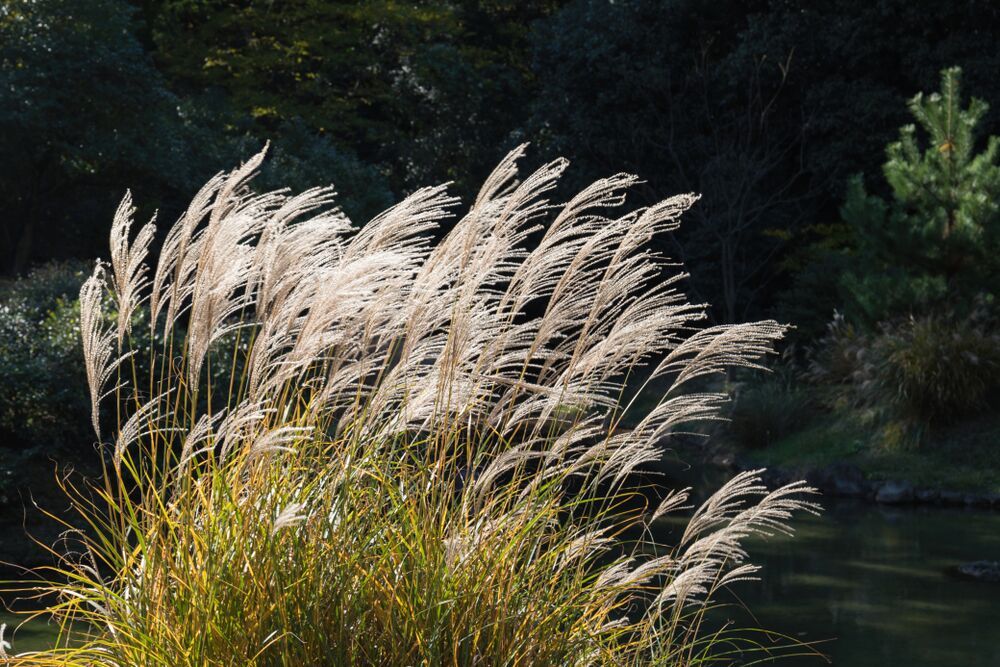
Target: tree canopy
x,y
766,108
934,241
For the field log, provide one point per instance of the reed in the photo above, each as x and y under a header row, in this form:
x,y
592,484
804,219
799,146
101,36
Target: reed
x,y
418,456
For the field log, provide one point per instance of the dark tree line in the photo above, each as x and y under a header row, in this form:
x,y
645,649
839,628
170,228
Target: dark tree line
x,y
766,107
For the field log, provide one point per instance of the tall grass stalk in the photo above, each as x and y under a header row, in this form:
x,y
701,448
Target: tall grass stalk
x,y
418,457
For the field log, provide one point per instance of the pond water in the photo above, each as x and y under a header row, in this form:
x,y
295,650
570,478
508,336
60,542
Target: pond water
x,y
34,635
875,581
869,582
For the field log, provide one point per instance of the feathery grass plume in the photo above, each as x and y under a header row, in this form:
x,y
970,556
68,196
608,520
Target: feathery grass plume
x,y
172,278
128,263
98,341
418,456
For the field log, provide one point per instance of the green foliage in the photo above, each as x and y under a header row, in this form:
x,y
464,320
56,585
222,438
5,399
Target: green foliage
x,y
660,87
81,107
428,91
917,272
40,357
934,243
764,107
41,400
331,64
300,157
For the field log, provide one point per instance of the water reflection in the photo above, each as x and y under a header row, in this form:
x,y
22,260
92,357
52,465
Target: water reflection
x,y
876,582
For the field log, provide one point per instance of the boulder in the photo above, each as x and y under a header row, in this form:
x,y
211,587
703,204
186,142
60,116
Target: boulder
x,y
849,481
927,495
840,479
980,570
894,493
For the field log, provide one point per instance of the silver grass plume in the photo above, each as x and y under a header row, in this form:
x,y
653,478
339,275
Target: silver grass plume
x,y
172,279
98,341
519,328
223,265
128,263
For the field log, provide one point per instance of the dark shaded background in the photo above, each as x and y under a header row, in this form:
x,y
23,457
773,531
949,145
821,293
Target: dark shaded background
x,y
766,107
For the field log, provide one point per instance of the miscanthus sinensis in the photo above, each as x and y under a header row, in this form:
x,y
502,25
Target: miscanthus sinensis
x,y
415,453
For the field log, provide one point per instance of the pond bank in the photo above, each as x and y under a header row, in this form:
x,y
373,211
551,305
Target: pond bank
x,y
954,466
845,480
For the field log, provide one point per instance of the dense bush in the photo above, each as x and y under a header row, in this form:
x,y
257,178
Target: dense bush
x,y
908,375
42,393
842,365
934,370
41,378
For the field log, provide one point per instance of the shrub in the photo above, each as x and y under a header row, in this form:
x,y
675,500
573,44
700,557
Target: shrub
x,y
834,360
843,365
394,478
43,388
910,375
43,396
935,370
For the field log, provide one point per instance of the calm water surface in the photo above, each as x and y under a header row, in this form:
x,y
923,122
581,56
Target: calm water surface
x,y
871,584
35,635
875,580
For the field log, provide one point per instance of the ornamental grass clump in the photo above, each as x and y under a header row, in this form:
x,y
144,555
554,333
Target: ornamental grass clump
x,y
418,456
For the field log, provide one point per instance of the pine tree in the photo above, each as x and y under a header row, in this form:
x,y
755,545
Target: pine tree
x,y
934,243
